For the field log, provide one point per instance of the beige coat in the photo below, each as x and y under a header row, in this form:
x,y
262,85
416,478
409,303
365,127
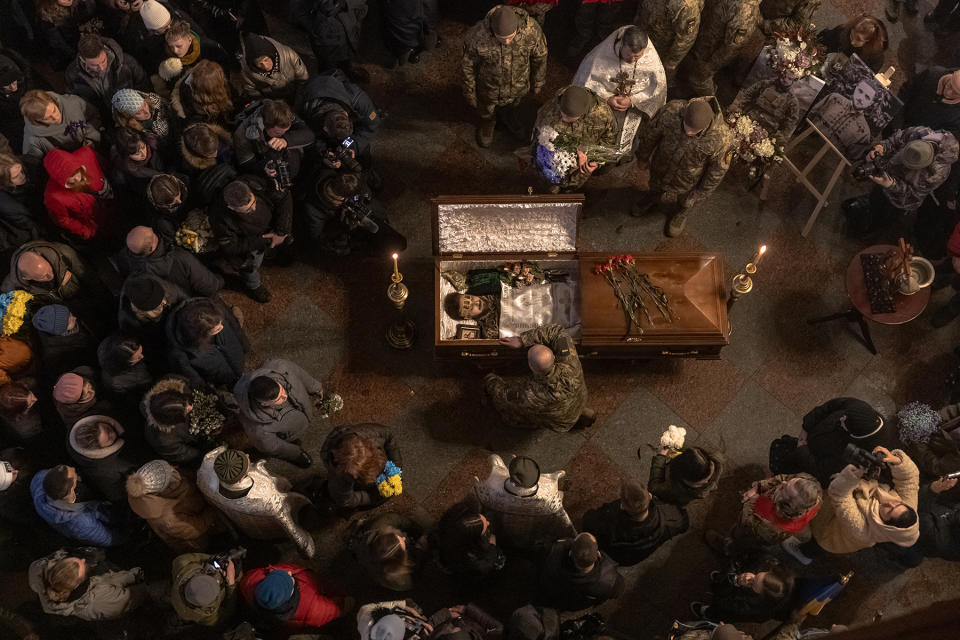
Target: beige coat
x,y
849,519
179,516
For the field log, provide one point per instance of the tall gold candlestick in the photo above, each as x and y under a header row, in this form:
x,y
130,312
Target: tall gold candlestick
x,y
402,333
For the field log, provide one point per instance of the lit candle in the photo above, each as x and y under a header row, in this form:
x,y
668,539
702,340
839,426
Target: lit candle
x,y
757,258
396,270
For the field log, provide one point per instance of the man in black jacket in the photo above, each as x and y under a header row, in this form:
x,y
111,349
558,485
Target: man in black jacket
x,y
100,69
15,80
932,99
939,523
270,141
337,109
334,28
146,252
632,528
247,225
576,575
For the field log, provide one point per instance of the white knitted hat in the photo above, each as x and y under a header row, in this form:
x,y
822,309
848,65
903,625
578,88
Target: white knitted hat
x,y
154,15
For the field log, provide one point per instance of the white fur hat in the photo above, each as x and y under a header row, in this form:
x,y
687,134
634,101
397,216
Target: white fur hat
x,y
154,15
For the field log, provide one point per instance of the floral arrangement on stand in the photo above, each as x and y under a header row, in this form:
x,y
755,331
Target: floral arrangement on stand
x,y
390,483
521,274
753,144
206,421
13,310
797,54
632,287
195,233
556,155
329,404
918,421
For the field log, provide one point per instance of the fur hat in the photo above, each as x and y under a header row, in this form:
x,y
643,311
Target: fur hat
x,y
53,319
68,389
154,15
127,101
170,68
153,477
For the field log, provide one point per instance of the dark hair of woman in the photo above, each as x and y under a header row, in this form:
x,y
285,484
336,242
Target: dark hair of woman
x,y
196,322
358,458
14,398
170,407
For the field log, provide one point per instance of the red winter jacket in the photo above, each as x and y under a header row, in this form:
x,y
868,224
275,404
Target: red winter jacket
x,y
318,605
82,214
953,244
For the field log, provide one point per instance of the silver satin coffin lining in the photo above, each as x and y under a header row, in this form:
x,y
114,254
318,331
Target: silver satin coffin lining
x,y
508,228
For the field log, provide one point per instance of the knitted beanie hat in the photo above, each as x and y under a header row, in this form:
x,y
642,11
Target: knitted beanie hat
x,y
504,21
257,47
170,69
156,475
231,466
201,590
145,294
862,420
53,319
127,101
274,591
68,389
697,115
154,15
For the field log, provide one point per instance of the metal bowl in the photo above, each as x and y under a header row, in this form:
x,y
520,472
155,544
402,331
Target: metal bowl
x,y
921,275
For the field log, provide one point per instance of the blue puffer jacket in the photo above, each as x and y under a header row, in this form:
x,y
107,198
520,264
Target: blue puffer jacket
x,y
86,522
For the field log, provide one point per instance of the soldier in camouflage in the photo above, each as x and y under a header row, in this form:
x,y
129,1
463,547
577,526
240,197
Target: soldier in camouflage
x,y
786,16
582,116
555,397
725,27
672,26
689,148
504,58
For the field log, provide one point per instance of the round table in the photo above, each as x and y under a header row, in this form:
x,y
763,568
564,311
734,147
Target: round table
x,y
906,308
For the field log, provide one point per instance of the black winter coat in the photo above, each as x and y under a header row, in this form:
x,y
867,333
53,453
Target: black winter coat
x,y
18,216
123,72
105,473
939,526
11,122
173,264
219,364
923,107
566,589
334,86
628,541
60,40
671,489
408,22
333,26
172,442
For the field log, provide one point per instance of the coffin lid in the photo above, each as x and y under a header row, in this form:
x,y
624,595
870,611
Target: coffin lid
x,y
541,224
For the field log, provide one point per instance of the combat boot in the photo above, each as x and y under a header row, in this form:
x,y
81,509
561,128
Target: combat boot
x,y
677,222
485,132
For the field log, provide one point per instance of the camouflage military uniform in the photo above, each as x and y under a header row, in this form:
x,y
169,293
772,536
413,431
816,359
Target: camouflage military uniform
x,y
685,169
552,401
596,127
774,109
672,26
496,74
911,187
844,124
725,26
780,16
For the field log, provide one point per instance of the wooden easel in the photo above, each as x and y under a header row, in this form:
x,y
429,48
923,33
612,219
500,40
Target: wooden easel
x,y
821,196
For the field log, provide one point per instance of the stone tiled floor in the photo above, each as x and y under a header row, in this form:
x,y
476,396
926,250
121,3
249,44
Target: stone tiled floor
x,y
776,369
331,321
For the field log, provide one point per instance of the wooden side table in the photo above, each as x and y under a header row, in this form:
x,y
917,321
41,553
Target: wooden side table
x,y
906,308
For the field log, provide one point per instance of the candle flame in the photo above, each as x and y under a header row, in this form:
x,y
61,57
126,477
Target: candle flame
x,y
395,256
763,249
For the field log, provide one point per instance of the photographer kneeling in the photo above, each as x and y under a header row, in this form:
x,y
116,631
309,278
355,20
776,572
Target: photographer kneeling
x,y
906,167
340,214
860,512
204,587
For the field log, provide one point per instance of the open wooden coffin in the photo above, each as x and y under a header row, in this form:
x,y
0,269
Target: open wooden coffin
x,y
479,232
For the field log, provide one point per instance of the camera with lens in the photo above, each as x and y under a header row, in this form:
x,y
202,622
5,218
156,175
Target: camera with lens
x,y
872,463
277,161
346,155
873,167
356,212
220,561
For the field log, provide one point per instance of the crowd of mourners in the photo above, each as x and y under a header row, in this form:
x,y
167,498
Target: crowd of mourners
x,y
188,146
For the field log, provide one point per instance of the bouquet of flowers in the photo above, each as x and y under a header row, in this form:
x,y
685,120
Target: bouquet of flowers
x,y
918,422
329,404
797,54
195,233
13,310
556,154
389,483
754,144
521,274
206,420
632,286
